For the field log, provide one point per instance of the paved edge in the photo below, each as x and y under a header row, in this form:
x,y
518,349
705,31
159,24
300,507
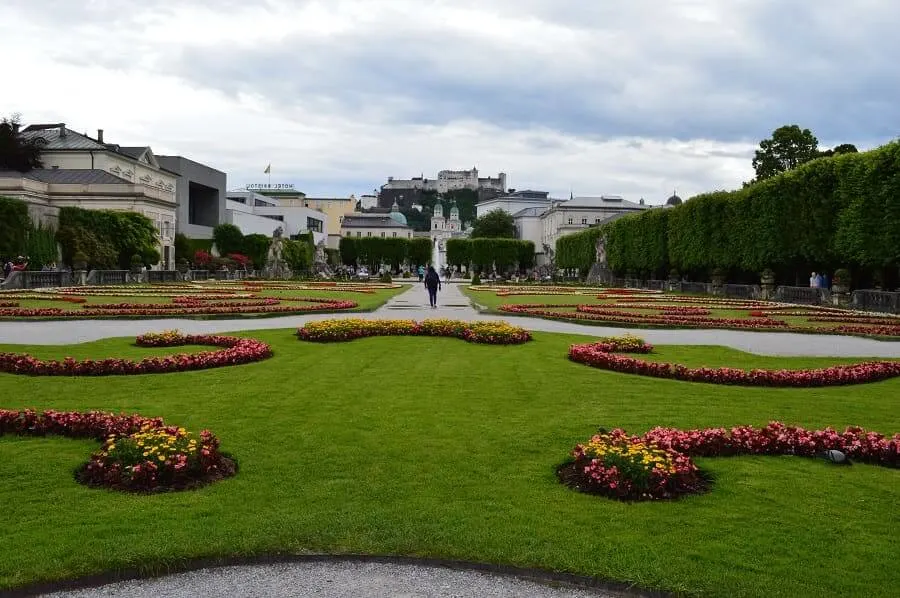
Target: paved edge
x,y
540,576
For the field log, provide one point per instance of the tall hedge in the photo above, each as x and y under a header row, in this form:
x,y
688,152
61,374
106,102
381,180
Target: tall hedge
x,y
841,211
14,225
486,253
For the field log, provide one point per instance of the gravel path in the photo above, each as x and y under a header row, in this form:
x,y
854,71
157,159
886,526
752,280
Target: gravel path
x,y
413,304
333,580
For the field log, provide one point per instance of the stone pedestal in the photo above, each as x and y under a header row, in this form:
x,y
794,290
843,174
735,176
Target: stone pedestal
x,y
80,277
718,282
840,295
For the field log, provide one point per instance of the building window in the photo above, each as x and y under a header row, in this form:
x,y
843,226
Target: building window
x,y
382,235
358,233
314,225
596,221
369,234
394,234
584,220
409,235
570,221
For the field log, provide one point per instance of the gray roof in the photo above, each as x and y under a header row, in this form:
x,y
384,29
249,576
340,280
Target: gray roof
x,y
67,176
371,221
131,152
51,139
604,201
530,212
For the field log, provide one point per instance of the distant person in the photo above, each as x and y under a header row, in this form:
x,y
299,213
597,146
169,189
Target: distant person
x,y
7,269
826,284
820,281
432,283
813,281
421,273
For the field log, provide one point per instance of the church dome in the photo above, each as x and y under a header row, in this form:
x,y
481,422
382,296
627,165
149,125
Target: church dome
x,y
674,201
398,217
438,210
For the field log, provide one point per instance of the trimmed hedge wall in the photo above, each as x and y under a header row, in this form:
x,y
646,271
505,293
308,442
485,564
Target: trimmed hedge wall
x,y
483,254
841,211
374,251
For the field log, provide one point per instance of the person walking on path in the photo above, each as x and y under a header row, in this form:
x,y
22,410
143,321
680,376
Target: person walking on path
x,y
432,283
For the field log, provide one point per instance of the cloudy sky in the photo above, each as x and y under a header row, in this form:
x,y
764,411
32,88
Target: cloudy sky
x,y
633,98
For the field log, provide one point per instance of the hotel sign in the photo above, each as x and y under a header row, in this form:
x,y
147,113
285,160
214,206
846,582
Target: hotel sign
x,y
270,187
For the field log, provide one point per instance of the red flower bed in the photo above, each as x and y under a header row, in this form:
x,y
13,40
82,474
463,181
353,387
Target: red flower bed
x,y
493,333
182,303
198,309
9,304
658,465
234,351
139,454
603,355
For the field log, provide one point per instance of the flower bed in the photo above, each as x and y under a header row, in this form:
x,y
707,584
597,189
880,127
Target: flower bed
x,y
603,355
9,304
495,333
869,330
139,454
193,309
658,465
234,351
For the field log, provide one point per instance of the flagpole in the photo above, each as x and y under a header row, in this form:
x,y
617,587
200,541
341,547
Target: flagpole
x,y
269,183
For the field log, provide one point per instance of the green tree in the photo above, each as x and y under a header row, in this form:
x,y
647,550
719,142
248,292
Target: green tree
x,y
789,147
844,148
349,249
256,247
17,153
228,239
419,252
14,224
497,224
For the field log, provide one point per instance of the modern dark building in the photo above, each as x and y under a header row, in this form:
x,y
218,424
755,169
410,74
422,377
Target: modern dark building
x,y
200,194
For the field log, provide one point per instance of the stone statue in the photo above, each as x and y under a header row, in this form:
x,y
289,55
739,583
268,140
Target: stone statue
x,y
276,267
320,262
600,247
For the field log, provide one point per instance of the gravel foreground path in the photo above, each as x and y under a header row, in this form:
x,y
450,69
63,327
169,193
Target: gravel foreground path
x,y
334,580
413,304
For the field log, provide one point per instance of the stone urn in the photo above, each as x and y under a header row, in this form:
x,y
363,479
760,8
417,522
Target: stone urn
x,y
718,281
840,287
767,285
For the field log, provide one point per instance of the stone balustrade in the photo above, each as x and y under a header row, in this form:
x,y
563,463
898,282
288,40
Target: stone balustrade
x,y
871,300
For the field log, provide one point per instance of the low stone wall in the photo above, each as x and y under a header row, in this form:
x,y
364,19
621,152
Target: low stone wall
x,y
871,300
155,276
741,291
803,295
100,277
37,280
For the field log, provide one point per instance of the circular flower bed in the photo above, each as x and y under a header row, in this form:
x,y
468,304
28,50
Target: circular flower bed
x,y
494,333
139,454
602,355
658,465
234,351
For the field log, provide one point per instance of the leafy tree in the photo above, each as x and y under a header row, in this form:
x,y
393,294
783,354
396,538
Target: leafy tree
x,y
419,252
17,153
228,239
497,224
297,254
256,247
349,249
844,148
789,147
14,223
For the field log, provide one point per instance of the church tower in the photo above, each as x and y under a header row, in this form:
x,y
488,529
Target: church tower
x,y
437,219
454,217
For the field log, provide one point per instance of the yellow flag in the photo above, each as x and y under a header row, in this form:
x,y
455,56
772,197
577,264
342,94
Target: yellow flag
x,y
268,169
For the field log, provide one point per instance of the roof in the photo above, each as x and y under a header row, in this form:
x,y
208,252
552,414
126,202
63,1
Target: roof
x,y
603,201
131,152
52,139
529,212
67,176
371,221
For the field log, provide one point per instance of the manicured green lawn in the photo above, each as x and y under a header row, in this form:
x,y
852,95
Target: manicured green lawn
x,y
436,447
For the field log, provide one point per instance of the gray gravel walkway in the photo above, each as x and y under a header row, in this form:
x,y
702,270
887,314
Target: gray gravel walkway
x,y
413,304
332,580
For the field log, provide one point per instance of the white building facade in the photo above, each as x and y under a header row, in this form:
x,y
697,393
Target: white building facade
x,y
88,173
578,213
514,202
255,213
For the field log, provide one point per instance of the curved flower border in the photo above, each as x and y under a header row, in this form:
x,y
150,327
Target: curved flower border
x,y
493,333
234,351
603,355
175,472
668,453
